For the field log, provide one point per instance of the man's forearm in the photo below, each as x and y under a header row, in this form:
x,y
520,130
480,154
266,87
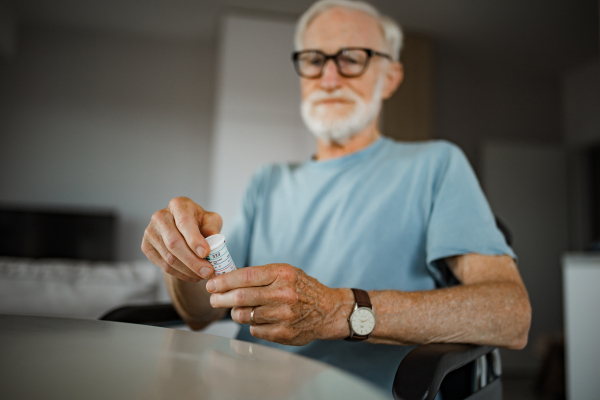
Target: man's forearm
x,y
192,302
490,313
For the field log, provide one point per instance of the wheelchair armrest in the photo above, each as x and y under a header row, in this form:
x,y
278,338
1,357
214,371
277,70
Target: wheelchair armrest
x,y
420,374
152,314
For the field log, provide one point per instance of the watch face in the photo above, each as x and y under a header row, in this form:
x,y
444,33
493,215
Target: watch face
x,y
363,321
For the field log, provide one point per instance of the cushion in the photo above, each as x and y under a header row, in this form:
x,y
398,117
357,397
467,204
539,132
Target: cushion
x,y
76,288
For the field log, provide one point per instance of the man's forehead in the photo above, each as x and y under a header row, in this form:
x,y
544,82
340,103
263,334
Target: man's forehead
x,y
340,27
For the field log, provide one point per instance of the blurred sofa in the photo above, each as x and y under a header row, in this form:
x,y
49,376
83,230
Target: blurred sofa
x,y
76,288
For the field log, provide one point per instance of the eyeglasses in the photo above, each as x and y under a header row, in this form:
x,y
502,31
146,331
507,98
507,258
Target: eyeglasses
x,y
350,62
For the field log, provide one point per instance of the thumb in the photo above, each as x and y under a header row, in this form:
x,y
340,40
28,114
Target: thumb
x,y
211,224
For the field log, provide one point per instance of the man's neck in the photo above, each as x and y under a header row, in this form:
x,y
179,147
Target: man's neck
x,y
328,151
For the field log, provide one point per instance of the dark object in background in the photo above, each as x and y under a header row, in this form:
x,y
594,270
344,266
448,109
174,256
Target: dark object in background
x,y
550,380
154,314
164,315
458,371
505,231
594,163
88,235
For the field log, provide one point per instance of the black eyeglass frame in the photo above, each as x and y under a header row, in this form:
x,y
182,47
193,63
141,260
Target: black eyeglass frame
x,y
370,53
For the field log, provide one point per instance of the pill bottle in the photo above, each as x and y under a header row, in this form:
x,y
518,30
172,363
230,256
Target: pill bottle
x,y
219,255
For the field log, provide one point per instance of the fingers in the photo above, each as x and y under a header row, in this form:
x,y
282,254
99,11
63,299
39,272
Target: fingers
x,y
243,297
189,219
174,242
244,277
241,315
169,243
164,237
211,224
155,257
262,315
271,324
173,266
274,333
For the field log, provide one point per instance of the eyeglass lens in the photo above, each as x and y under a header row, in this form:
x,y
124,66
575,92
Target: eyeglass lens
x,y
350,62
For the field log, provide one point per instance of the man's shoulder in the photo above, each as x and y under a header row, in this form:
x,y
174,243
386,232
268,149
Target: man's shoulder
x,y
270,170
269,174
426,151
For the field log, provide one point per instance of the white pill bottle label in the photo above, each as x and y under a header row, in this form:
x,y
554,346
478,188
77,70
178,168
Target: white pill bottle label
x,y
219,255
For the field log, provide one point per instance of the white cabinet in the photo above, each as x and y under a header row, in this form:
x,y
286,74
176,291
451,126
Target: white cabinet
x,y
581,280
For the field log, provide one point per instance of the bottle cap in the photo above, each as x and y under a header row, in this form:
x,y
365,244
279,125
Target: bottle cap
x,y
215,241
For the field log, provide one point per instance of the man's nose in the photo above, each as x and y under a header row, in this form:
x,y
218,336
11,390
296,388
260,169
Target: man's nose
x,y
331,79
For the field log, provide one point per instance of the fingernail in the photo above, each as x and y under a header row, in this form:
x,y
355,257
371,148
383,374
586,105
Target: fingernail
x,y
205,272
210,286
212,301
201,251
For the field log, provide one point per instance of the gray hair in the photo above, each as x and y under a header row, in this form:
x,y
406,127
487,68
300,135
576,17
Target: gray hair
x,y
391,30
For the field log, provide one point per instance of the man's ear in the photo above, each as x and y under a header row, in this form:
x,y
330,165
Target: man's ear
x,y
393,78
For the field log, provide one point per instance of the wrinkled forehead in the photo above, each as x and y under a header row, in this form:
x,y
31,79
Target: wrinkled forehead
x,y
338,27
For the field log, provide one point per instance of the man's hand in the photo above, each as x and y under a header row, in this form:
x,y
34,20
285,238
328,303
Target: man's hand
x,y
174,239
289,306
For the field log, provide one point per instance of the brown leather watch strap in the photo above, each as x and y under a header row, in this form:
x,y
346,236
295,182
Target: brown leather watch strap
x,y
362,298
356,338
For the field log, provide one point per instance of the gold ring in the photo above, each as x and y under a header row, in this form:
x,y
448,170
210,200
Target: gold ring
x,y
252,316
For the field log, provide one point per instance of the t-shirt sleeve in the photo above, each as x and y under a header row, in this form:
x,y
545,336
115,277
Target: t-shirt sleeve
x,y
461,220
239,234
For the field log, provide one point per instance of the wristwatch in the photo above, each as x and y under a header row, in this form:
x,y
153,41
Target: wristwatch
x,y
362,320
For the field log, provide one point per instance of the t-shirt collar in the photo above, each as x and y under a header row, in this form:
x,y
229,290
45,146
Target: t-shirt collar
x,y
350,158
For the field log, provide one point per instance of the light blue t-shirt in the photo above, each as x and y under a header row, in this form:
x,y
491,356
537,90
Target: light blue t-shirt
x,y
377,219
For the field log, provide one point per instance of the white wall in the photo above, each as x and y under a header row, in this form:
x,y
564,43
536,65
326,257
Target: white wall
x,y
91,119
581,274
257,119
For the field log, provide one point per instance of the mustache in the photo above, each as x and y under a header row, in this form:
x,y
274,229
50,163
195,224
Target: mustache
x,y
339,94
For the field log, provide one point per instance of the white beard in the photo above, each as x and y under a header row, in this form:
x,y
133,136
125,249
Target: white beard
x,y
340,129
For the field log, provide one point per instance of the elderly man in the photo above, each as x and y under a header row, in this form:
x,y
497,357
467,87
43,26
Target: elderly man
x,y
399,222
